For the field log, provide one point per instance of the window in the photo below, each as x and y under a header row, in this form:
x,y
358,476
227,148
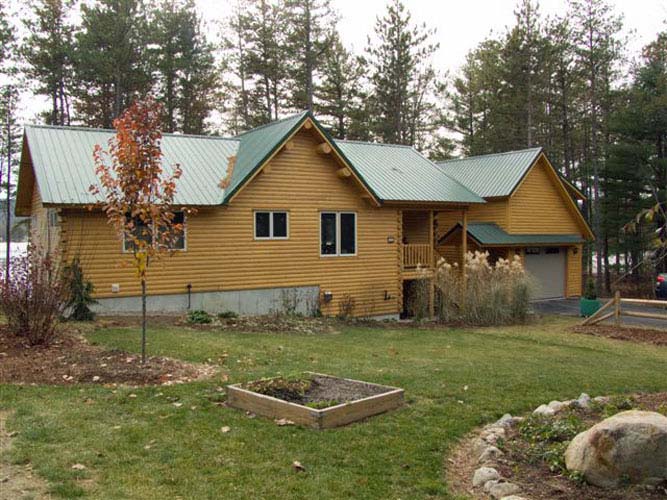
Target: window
x,y
271,225
141,231
338,233
552,250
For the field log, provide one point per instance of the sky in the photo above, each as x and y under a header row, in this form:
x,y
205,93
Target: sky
x,y
460,25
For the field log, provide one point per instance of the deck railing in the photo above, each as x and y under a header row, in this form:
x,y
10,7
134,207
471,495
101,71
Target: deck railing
x,y
417,255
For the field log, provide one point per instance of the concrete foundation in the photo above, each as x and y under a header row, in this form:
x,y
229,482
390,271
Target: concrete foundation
x,y
302,300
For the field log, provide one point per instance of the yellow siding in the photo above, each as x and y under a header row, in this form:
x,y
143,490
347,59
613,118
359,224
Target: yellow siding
x,y
574,285
496,211
538,206
44,234
223,255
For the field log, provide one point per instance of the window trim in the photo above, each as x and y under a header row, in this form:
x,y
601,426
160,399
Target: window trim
x,y
124,248
270,237
338,233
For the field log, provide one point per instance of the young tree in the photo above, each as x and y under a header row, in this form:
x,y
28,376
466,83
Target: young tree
x,y
138,193
48,51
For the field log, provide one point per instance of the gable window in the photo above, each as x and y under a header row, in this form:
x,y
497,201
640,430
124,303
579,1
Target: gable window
x,y
271,225
142,232
338,233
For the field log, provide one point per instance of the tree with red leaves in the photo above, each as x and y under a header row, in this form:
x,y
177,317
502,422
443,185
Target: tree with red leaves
x,y
138,194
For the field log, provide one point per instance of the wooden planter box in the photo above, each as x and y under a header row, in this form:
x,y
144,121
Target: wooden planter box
x,y
333,416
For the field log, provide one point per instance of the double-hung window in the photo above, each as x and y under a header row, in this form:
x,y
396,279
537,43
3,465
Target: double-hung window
x,y
142,232
271,225
338,233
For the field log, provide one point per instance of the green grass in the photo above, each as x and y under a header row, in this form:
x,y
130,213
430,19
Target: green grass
x,y
397,455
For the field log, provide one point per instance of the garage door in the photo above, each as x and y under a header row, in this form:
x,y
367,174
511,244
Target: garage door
x,y
547,266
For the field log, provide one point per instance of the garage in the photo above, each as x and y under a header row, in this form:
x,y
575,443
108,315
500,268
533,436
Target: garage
x,y
547,266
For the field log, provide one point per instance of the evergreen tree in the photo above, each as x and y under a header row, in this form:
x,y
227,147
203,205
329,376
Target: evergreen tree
x,y
310,35
186,76
111,60
402,77
339,96
236,41
48,50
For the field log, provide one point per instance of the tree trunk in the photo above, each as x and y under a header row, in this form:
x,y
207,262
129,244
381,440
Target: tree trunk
x,y
143,321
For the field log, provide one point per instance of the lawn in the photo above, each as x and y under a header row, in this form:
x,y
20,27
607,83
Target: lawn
x,y
136,443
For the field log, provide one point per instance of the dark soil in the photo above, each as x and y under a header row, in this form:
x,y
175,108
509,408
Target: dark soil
x,y
71,360
637,335
536,479
316,390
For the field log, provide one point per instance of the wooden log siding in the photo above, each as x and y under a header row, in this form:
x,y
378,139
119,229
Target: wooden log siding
x,y
222,253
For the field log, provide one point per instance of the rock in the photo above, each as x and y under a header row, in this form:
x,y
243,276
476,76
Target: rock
x,y
478,446
506,420
501,490
602,400
483,475
630,445
490,484
544,410
513,497
558,406
583,401
490,454
493,434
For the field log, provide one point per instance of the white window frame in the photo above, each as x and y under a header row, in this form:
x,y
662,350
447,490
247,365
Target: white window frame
x,y
338,233
185,236
270,236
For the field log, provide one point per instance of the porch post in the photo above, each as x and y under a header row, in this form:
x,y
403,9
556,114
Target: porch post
x,y
431,242
464,241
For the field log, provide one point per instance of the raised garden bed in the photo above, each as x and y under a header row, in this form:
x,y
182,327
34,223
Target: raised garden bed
x,y
314,400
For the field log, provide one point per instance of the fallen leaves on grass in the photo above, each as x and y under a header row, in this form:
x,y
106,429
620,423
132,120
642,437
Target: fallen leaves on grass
x,y
281,422
296,465
79,467
225,429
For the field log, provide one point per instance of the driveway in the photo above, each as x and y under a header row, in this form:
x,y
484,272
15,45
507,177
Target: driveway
x,y
570,307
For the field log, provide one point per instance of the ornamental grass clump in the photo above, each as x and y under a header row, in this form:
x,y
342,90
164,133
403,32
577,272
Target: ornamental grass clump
x,y
490,294
34,296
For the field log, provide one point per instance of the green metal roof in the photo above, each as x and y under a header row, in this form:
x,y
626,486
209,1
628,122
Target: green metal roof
x,y
493,175
400,173
489,234
63,161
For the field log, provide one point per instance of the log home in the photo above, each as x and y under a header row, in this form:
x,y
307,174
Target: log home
x,y
304,222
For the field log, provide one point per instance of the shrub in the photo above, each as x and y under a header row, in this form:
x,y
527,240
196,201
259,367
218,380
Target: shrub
x,y
80,293
199,317
590,292
495,294
34,296
227,315
418,298
346,306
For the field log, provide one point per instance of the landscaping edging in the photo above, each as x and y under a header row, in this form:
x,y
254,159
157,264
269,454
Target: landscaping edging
x,y
498,461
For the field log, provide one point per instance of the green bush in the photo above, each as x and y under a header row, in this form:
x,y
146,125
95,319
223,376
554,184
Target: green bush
x,y
227,315
199,317
80,293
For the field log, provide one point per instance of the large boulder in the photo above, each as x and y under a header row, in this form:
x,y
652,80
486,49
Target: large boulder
x,y
630,446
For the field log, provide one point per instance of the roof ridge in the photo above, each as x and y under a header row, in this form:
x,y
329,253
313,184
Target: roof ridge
x,y
260,127
111,131
455,160
368,143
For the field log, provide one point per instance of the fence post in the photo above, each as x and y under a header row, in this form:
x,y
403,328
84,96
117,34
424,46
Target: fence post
x,y
617,308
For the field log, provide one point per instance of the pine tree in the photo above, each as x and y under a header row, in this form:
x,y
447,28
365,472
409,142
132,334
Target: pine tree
x,y
48,50
235,44
184,66
339,96
401,76
311,32
111,61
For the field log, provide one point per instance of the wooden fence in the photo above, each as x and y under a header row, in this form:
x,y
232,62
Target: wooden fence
x,y
614,309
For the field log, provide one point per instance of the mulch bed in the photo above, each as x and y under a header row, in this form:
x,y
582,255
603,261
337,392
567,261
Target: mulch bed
x,y
71,360
535,478
637,335
316,389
